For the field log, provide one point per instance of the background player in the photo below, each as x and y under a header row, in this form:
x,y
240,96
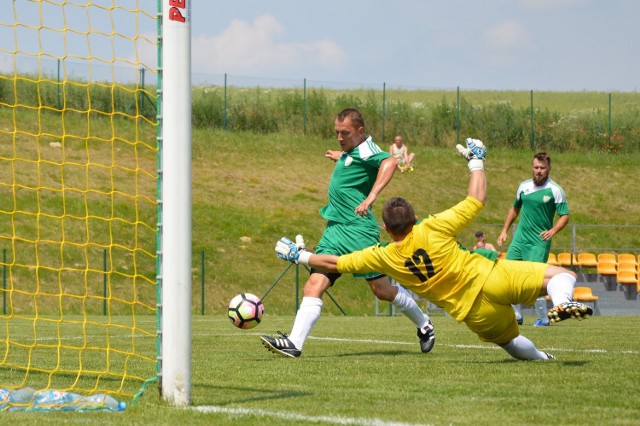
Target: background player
x,y
537,201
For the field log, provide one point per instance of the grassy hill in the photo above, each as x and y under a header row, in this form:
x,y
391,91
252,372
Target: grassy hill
x,y
265,187
250,189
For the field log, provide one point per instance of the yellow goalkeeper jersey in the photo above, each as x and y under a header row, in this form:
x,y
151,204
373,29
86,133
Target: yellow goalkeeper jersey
x,y
429,261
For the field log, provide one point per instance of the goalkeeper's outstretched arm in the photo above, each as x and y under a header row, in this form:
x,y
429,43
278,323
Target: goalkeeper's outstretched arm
x,y
475,153
324,262
288,250
478,185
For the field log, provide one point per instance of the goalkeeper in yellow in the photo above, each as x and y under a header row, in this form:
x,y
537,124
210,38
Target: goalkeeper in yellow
x,y
426,258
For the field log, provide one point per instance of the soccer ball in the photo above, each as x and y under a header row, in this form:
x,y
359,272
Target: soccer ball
x,y
245,310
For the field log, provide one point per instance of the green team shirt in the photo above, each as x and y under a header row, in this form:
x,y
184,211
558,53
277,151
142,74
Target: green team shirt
x,y
430,262
353,177
538,205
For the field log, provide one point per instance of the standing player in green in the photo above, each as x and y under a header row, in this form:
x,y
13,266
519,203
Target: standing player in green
x,y
425,257
537,201
362,171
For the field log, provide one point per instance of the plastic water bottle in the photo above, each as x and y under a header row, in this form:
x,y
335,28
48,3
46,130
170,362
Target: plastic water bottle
x,y
4,398
20,399
100,401
54,400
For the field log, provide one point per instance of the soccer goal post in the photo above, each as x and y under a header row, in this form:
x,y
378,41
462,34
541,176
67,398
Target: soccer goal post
x,y
95,246
175,200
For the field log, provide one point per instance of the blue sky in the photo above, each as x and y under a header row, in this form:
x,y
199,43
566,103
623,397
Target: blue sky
x,y
555,45
541,45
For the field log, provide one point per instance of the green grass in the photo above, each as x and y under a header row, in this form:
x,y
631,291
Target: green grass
x,y
369,371
267,186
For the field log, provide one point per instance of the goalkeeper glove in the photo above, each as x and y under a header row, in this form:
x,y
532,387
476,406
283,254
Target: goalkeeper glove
x,y
290,251
474,153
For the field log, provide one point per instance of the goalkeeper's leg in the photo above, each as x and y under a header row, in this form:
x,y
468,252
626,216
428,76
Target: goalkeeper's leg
x,y
404,302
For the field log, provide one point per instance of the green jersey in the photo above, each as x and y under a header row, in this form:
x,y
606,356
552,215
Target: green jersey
x,y
353,177
538,205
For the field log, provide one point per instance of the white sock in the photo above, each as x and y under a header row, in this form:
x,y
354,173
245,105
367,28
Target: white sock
x,y
516,309
405,303
524,349
560,288
307,315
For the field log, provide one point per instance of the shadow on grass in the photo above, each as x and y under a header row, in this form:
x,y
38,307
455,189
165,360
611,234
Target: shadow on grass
x,y
227,395
370,353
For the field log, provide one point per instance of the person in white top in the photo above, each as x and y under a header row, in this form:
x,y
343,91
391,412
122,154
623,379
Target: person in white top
x,y
400,152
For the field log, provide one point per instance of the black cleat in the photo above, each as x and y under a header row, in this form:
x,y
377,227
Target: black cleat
x,y
281,346
427,337
569,310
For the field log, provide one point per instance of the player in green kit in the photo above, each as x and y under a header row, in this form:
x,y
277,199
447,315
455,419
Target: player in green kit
x,y
362,171
537,202
426,258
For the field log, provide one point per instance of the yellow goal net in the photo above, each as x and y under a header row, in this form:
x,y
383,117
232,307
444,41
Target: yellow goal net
x,y
78,195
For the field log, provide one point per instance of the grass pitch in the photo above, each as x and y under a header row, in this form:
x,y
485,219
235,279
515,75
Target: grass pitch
x,y
369,371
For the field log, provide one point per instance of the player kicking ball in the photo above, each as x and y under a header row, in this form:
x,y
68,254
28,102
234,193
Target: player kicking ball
x,y
426,259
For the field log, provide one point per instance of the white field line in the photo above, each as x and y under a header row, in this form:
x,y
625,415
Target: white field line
x,y
337,339
278,415
459,346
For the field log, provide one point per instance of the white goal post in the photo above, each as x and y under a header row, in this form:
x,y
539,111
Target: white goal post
x,y
174,211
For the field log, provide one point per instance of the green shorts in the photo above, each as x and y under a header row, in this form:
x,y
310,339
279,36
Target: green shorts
x,y
510,283
341,238
530,252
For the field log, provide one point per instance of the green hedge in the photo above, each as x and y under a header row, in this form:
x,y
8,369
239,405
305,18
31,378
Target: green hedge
x,y
561,122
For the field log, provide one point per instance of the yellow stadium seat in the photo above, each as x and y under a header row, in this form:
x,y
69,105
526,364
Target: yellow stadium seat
x,y
607,268
584,294
627,258
552,259
627,277
587,260
567,260
607,257
626,266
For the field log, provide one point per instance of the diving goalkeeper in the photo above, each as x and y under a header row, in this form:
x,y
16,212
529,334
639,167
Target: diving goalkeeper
x,y
426,258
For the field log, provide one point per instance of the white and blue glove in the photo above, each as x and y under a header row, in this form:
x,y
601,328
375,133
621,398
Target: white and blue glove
x,y
474,153
293,252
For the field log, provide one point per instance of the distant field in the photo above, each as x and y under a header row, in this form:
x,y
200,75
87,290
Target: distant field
x,y
264,187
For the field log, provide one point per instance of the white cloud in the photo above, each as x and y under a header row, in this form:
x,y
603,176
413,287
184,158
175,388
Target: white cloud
x,y
258,47
509,35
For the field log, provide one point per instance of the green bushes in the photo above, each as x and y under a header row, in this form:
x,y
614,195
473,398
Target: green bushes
x,y
425,121
556,122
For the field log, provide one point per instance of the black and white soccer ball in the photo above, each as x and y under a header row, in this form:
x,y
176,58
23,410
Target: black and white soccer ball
x,y
245,310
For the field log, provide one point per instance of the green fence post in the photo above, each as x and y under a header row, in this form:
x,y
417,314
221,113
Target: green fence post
x,y
104,282
609,117
304,106
297,286
457,114
531,132
4,281
202,282
384,108
225,101
58,98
